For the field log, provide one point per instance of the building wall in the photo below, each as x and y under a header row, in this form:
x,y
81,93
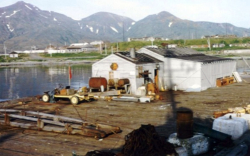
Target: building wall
x,y
182,73
211,71
126,69
13,55
190,75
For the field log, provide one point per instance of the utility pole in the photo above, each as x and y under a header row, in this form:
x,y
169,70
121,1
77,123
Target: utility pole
x,y
4,50
117,47
209,44
105,49
123,31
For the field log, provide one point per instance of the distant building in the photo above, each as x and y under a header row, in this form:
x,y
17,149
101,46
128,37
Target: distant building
x,y
13,54
96,42
52,49
219,36
81,47
145,39
199,46
240,45
218,45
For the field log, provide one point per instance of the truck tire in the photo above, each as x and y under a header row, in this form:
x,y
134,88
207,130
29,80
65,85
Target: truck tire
x,y
45,98
74,100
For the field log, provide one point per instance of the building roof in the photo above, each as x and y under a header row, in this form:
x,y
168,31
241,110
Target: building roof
x,y
140,58
13,52
187,54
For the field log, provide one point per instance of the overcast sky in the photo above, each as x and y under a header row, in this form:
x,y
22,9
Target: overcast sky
x,y
236,12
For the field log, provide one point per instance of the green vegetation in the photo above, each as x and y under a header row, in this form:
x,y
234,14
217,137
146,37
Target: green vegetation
x,y
21,57
78,56
125,46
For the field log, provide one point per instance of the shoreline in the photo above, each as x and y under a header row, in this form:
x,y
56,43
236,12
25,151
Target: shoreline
x,y
6,64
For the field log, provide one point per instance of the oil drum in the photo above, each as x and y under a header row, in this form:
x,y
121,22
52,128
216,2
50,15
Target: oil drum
x,y
122,82
97,82
184,124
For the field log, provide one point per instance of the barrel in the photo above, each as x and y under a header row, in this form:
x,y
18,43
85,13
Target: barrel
x,y
97,82
122,82
184,124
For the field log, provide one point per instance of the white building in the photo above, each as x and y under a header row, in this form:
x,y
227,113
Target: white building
x,y
138,68
190,70
13,54
96,42
183,68
81,47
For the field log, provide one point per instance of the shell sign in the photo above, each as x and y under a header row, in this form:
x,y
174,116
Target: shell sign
x,y
114,66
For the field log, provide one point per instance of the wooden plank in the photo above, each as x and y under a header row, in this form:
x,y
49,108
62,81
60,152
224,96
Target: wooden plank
x,y
56,116
35,119
107,93
10,110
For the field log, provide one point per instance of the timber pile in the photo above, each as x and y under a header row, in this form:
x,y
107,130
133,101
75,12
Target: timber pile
x,y
146,141
55,123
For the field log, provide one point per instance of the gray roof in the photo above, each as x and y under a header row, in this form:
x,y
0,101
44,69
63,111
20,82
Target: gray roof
x,y
187,54
140,58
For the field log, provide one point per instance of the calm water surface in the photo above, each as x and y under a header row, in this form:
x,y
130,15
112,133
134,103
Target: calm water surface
x,y
24,81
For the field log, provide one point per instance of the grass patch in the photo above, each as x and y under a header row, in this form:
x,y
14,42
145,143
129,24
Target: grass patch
x,y
80,54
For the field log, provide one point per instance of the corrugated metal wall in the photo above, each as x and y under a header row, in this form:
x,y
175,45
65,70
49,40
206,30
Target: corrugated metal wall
x,y
185,74
211,71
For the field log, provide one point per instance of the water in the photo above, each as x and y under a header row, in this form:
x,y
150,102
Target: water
x,y
24,81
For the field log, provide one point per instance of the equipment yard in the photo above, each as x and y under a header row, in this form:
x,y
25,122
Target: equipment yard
x,y
126,115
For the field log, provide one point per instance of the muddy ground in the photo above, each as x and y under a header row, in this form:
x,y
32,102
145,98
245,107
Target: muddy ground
x,y
127,115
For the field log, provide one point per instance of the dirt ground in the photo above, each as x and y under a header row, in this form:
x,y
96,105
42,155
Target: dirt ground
x,y
127,115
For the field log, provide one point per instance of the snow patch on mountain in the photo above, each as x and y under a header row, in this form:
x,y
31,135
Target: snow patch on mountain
x,y
55,19
79,25
28,7
170,23
120,24
132,23
113,29
14,12
97,30
90,28
43,16
11,30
